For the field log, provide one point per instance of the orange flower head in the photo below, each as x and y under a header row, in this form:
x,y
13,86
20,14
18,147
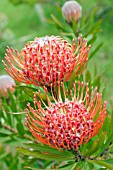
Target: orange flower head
x,y
47,60
69,121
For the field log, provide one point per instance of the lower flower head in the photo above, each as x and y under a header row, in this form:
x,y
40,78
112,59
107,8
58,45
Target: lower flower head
x,y
70,121
47,60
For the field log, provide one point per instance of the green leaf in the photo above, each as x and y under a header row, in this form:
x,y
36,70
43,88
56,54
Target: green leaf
x,y
28,90
46,148
92,149
111,123
20,128
68,166
81,78
100,143
109,137
83,148
7,116
96,82
13,101
110,161
106,124
88,77
43,96
101,163
95,50
44,155
62,25
88,20
101,140
91,40
94,28
4,134
71,80
58,23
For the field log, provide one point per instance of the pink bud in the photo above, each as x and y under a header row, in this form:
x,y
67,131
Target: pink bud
x,y
6,83
72,10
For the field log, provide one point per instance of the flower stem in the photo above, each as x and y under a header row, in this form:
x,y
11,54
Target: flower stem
x,y
73,167
16,132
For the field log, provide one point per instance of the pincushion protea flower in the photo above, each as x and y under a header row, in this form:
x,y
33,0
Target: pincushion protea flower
x,y
47,60
68,122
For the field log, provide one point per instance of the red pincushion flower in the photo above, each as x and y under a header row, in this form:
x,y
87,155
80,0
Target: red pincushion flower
x,y
47,60
67,123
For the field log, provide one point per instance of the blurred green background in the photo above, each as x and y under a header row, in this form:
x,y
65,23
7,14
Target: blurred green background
x,y
22,22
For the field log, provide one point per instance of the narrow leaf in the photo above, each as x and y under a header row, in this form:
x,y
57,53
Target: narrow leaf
x,y
57,22
93,28
3,134
111,122
101,163
95,50
44,155
45,148
92,149
28,90
43,96
67,166
88,76
96,82
20,128
110,161
100,144
101,140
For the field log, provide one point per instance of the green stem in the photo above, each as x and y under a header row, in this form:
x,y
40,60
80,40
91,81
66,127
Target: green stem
x,y
16,132
73,167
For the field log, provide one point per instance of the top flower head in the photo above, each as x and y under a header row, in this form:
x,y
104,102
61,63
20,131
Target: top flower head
x,y
47,60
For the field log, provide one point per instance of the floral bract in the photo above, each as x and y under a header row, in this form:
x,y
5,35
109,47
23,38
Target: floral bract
x,y
47,60
69,121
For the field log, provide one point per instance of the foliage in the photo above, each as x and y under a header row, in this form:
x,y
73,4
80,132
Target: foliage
x,y
17,2
5,34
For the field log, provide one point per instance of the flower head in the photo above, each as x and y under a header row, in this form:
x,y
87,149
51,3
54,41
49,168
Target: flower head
x,y
6,83
47,60
69,121
72,10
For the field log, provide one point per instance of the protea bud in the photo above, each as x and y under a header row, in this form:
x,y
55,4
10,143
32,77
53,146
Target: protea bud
x,y
72,10
47,60
69,121
6,83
